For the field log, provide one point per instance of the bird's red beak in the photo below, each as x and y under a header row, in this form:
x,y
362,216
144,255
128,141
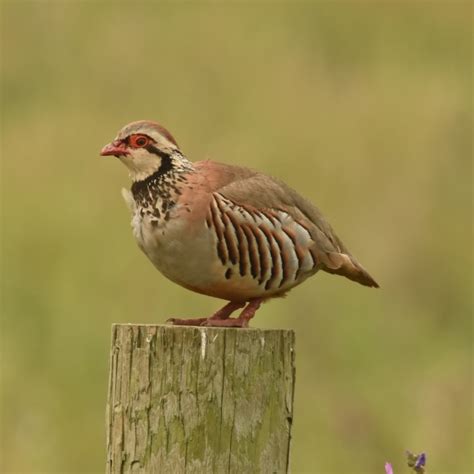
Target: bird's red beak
x,y
115,148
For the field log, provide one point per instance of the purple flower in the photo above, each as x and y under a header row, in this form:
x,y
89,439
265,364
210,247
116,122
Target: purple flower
x,y
417,462
388,468
420,461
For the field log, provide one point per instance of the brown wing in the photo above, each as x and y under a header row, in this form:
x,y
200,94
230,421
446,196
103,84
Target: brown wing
x,y
257,192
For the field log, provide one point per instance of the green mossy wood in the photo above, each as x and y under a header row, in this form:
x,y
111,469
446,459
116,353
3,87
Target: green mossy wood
x,y
199,400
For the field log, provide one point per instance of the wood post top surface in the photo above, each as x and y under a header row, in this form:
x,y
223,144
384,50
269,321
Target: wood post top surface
x,y
200,328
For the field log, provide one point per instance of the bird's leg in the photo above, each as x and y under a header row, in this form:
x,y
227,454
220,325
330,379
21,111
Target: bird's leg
x,y
226,311
221,314
241,322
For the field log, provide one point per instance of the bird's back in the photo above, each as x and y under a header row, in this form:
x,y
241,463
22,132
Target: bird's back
x,y
259,192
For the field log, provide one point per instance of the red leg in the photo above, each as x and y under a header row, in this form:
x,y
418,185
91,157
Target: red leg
x,y
223,313
226,311
242,321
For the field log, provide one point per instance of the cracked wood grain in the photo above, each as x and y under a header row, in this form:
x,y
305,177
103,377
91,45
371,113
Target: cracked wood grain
x,y
199,400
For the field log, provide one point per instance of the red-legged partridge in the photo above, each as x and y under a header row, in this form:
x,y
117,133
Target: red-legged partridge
x,y
222,230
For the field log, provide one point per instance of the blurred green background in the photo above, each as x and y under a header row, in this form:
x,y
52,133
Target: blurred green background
x,y
364,108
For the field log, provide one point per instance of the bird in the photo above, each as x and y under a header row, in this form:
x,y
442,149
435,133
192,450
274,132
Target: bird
x,y
223,230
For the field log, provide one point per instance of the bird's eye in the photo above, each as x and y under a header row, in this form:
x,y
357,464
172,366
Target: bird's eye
x,y
139,141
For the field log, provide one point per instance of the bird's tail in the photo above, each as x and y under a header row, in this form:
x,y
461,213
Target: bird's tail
x,y
346,265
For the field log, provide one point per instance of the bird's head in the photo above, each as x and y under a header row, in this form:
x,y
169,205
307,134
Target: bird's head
x,y
143,147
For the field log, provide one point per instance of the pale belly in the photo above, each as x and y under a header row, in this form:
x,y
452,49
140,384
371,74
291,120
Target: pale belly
x,y
188,257
183,259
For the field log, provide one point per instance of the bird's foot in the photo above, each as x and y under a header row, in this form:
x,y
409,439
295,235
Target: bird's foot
x,y
226,323
221,318
241,322
186,322
210,322
220,315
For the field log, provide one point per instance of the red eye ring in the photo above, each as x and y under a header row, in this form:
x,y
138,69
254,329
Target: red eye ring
x,y
139,141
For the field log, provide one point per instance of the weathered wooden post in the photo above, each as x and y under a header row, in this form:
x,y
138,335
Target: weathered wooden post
x,y
199,400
